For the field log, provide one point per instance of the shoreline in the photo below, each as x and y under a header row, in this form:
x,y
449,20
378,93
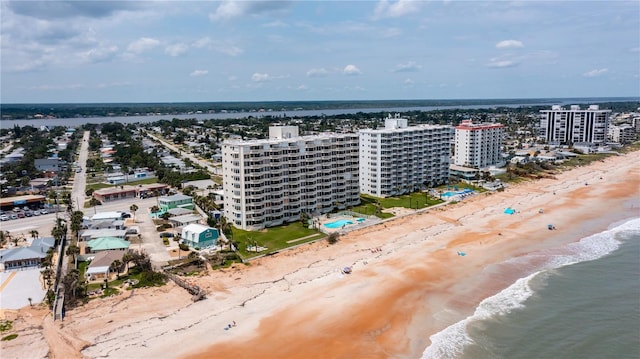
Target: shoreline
x,y
298,304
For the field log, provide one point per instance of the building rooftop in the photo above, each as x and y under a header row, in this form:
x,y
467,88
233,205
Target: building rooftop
x,y
106,243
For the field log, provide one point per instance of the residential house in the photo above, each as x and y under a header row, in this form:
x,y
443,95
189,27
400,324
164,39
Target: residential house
x,y
107,244
199,236
179,221
100,266
175,201
26,257
52,164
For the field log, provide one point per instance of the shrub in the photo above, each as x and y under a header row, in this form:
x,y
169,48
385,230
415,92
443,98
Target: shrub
x,y
5,325
10,337
333,238
160,228
183,247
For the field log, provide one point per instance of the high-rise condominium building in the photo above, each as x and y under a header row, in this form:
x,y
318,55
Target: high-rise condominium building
x,y
575,125
478,145
270,182
399,159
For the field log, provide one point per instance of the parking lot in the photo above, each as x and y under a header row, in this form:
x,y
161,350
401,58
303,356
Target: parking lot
x,y
16,287
22,213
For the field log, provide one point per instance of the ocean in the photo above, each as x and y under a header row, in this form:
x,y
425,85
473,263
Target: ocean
x,y
579,301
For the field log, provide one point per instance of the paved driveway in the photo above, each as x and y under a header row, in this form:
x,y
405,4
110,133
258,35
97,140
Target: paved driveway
x,y
16,287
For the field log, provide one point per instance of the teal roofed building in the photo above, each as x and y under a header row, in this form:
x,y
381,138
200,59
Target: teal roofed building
x,y
199,236
107,244
175,201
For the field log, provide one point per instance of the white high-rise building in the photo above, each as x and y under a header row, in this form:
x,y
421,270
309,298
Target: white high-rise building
x,y
400,159
575,125
270,182
478,145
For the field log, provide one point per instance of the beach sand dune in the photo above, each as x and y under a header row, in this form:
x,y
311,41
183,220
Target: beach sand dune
x,y
298,304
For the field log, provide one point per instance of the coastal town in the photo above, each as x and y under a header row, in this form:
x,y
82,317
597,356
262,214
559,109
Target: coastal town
x,y
93,213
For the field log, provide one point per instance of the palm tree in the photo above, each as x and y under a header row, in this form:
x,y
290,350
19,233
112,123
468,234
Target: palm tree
x,y
72,251
116,266
5,236
94,202
126,259
133,208
76,222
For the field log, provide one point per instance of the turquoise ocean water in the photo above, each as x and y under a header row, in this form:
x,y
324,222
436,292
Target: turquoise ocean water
x,y
581,301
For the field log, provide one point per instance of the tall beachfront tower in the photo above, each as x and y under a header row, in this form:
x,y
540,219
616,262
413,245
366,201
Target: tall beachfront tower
x,y
400,159
575,125
270,182
478,145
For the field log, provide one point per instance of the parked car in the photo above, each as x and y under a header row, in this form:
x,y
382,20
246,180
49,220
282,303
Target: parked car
x,y
36,213
28,213
13,216
166,235
44,211
4,217
20,214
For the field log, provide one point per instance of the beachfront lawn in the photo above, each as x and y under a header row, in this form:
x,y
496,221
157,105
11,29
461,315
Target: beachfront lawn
x,y
371,205
274,238
416,200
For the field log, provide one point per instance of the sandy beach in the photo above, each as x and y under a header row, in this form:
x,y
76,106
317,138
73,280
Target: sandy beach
x,y
408,282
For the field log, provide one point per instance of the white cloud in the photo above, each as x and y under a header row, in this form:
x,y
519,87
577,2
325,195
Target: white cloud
x,y
218,46
142,44
319,72
351,70
176,49
228,50
595,73
386,9
230,9
408,82
509,44
500,63
198,73
410,66
99,54
257,77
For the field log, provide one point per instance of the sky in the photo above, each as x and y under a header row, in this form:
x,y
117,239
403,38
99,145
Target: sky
x,y
208,51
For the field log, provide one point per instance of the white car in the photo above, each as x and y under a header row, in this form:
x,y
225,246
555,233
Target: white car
x,y
43,211
4,217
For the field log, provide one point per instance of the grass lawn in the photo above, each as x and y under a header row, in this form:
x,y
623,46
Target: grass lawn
x,y
274,238
416,200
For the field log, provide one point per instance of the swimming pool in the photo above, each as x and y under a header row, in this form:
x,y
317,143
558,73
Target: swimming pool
x,y
451,193
338,224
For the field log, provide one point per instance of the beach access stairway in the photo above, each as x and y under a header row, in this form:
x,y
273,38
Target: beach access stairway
x,y
196,292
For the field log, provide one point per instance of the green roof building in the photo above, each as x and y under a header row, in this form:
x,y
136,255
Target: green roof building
x,y
107,244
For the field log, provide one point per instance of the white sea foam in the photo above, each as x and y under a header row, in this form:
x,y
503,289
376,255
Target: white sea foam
x,y
450,342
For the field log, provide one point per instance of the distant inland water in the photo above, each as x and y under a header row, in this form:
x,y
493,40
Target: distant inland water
x,y
79,121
